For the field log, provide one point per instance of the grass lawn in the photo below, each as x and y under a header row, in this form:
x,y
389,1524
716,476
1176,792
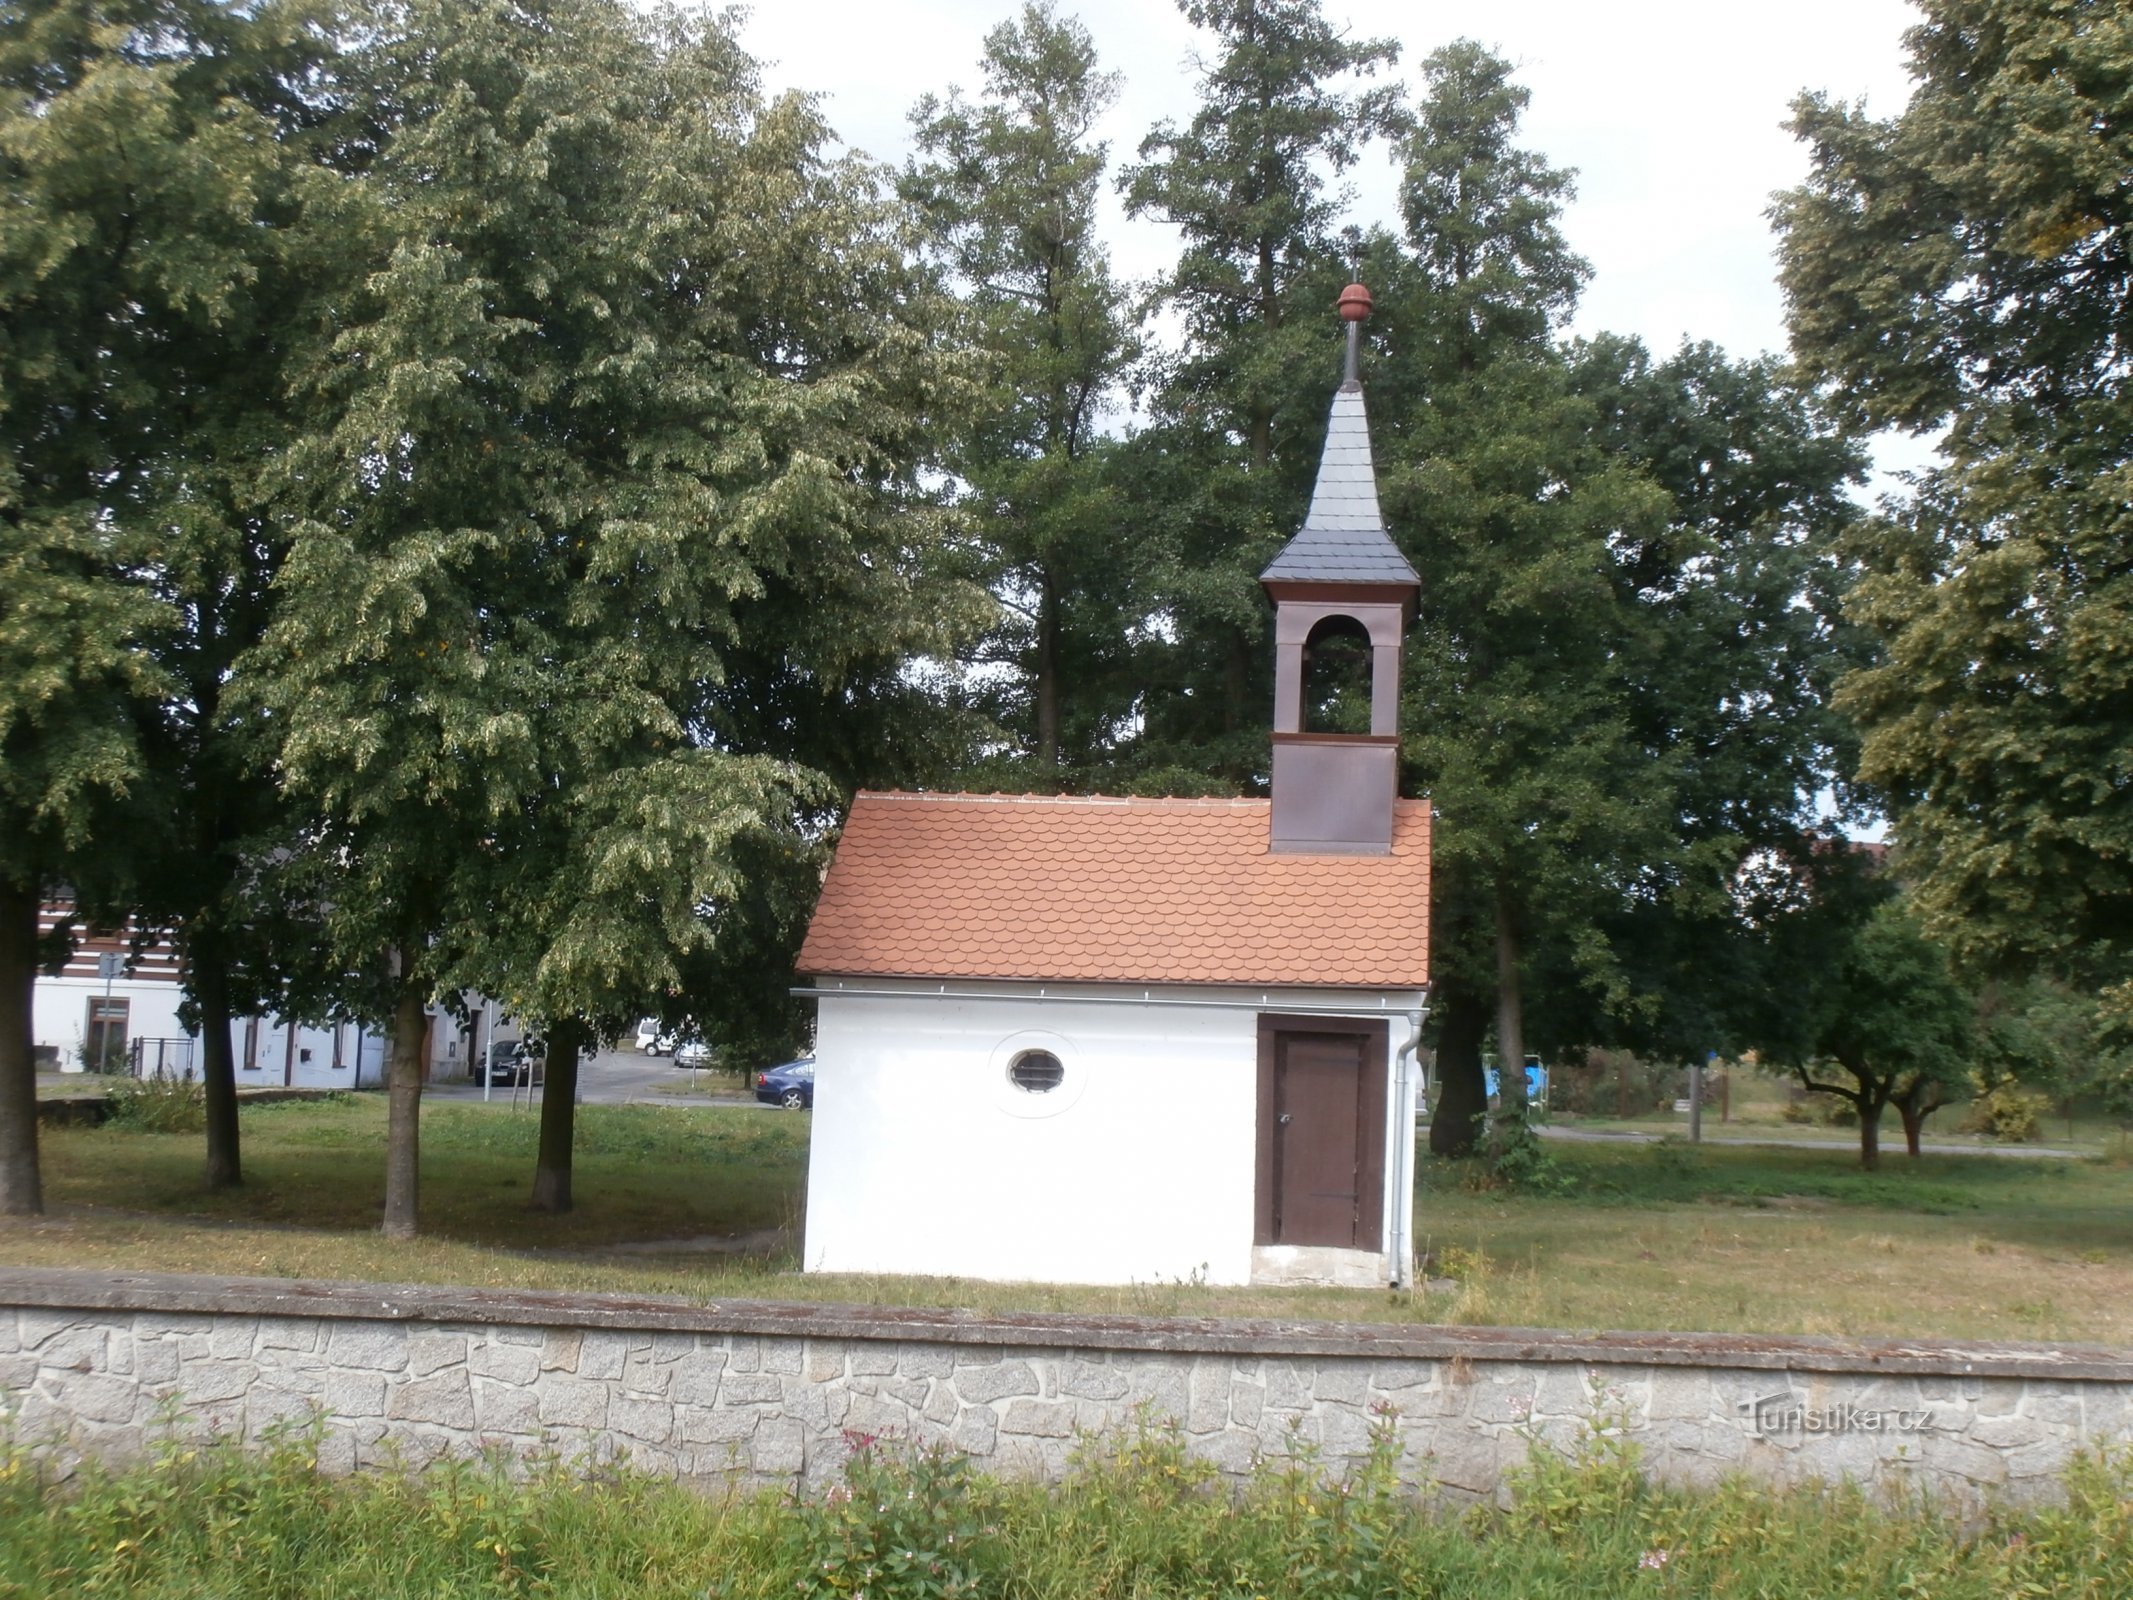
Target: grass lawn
x,y
705,1202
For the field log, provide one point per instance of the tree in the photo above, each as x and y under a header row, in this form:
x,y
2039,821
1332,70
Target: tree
x,y
1222,473
1008,190
1965,264
640,356
1506,506
207,516
146,177
1618,680
1885,1012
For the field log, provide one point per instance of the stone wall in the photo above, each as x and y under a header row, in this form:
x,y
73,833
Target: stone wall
x,y
770,1392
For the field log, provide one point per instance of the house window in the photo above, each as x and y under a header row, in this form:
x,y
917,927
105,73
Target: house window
x,y
1036,1072
104,1040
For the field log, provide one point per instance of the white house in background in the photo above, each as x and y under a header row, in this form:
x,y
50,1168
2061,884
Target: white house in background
x,y
132,1015
1099,1040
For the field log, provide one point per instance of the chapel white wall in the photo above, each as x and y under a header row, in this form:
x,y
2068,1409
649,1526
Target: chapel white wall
x,y
925,1160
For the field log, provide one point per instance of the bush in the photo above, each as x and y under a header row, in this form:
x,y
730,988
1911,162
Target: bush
x,y
1820,1110
2007,1111
1514,1155
1613,1083
159,1105
903,1525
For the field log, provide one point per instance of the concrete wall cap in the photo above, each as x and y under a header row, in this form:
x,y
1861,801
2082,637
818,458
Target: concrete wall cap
x,y
63,1289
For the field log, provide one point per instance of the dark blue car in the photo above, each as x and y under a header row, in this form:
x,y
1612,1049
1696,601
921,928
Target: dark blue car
x,y
791,1086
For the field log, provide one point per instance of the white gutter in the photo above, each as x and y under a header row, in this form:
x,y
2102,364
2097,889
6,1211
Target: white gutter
x,y
1404,1071
1264,1001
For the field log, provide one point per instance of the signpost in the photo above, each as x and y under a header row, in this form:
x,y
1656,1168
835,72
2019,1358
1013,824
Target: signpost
x,y
109,964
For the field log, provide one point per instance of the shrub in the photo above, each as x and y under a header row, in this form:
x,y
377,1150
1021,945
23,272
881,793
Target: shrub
x,y
1613,1083
159,1105
902,1525
1514,1156
1819,1110
2006,1111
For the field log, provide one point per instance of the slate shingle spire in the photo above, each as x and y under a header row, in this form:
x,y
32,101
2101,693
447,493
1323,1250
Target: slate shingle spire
x,y
1343,538
1333,791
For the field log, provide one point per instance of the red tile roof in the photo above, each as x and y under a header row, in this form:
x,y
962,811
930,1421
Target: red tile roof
x,y
1097,888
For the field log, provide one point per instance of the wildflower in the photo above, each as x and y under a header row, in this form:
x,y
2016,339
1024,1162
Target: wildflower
x,y
1653,1560
1521,1407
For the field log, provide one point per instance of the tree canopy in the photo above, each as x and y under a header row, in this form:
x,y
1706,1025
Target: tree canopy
x,y
1965,265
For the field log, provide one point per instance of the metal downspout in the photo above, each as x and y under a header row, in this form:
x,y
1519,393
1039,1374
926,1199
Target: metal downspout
x,y
1403,1146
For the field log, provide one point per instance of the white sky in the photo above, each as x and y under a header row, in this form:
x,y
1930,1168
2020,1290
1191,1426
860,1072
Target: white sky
x,y
1671,111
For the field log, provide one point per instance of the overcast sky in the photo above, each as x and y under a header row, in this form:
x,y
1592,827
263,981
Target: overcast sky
x,y
1671,111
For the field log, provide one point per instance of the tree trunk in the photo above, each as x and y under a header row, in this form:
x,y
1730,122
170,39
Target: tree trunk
x,y
559,1116
1510,1014
209,981
1914,1105
1869,1133
1455,1121
21,1187
403,1114
1047,673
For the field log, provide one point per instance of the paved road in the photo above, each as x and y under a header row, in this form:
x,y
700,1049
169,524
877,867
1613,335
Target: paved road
x,y
611,1078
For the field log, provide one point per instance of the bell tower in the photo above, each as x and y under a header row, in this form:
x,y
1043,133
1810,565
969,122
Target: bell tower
x,y
1339,585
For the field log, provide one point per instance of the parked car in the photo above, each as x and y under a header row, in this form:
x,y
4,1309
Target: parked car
x,y
511,1061
791,1086
694,1054
651,1041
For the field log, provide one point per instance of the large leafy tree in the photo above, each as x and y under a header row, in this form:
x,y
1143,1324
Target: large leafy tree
x,y
1220,476
1617,683
640,369
209,517
1967,265
149,183
1008,187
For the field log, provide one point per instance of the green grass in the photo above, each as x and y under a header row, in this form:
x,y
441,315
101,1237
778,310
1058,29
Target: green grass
x,y
1138,1519
1744,1239
705,1202
1760,1105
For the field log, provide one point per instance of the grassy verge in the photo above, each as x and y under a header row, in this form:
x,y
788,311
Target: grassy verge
x,y
1742,1239
705,1202
1138,1518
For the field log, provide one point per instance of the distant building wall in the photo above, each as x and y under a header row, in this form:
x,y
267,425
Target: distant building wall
x,y
771,1393
270,1052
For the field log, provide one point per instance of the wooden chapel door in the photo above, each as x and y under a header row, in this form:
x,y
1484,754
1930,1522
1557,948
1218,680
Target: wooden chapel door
x,y
1321,1168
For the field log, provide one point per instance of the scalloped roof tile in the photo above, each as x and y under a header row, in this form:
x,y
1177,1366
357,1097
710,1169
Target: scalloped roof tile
x,y
1100,888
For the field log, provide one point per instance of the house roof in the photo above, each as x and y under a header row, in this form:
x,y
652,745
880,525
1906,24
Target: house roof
x,y
1343,539
1074,888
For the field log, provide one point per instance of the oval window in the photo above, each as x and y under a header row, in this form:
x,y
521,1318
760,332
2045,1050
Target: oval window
x,y
1036,1072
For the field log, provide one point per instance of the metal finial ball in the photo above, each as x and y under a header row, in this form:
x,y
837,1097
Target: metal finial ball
x,y
1354,303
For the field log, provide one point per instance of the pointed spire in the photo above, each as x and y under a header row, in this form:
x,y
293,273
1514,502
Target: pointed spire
x,y
1343,538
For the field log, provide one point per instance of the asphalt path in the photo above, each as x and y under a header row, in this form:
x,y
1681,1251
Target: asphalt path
x,y
611,1078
